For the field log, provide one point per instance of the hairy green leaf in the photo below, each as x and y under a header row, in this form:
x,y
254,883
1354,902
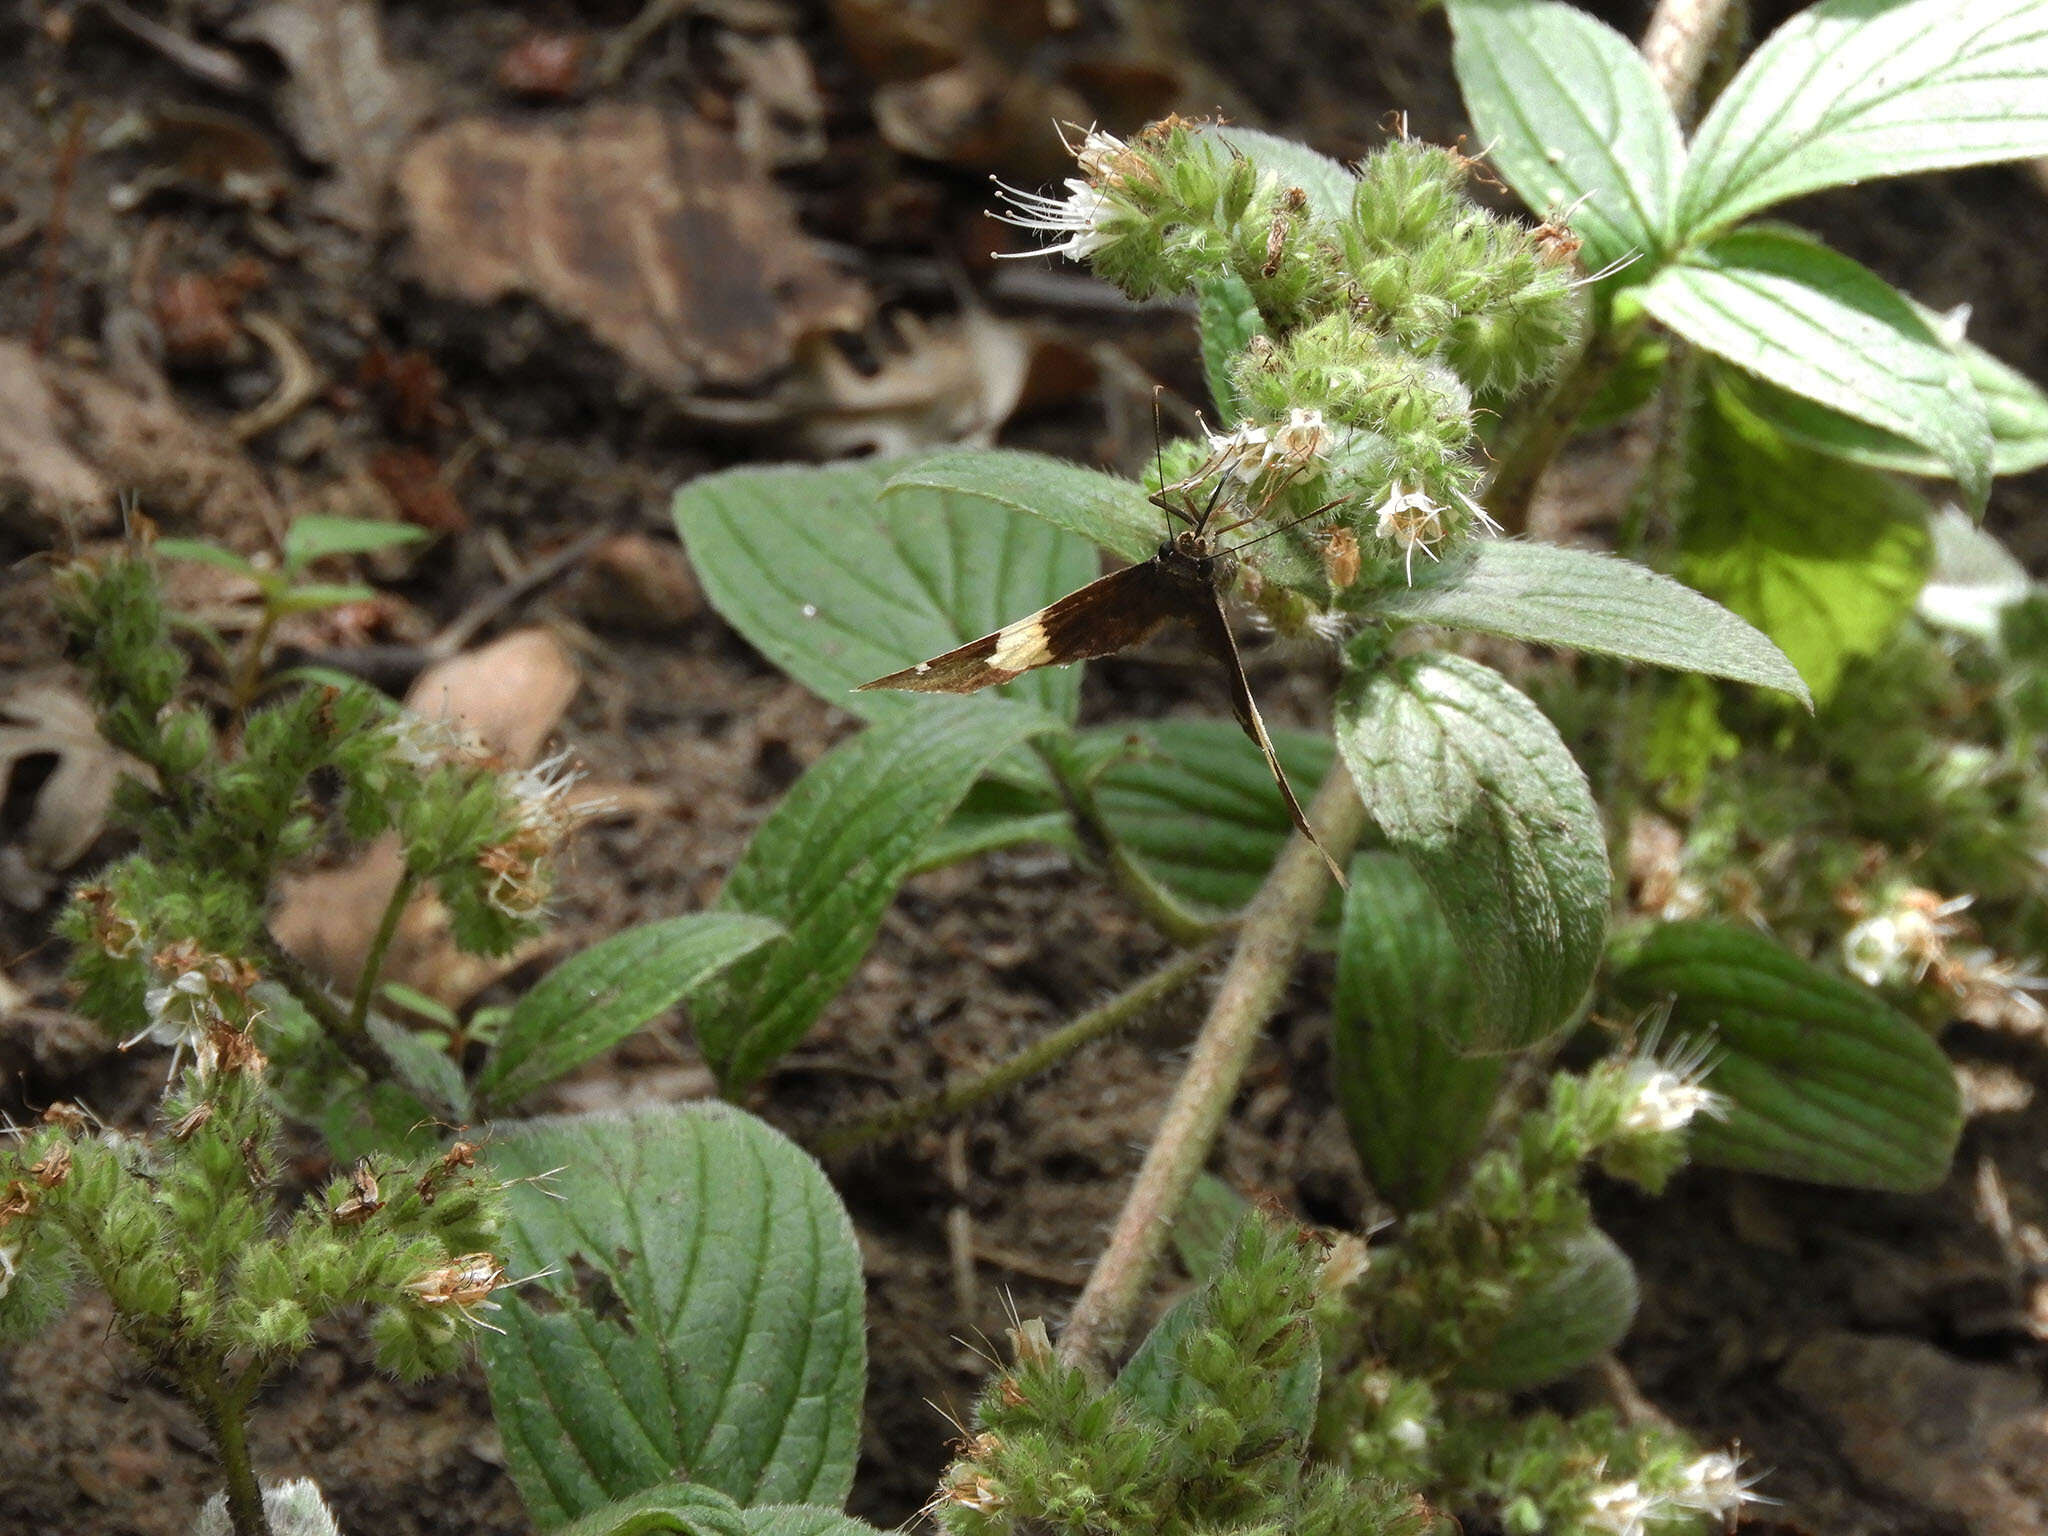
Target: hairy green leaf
x,y
1155,1381
1554,595
1569,110
702,1317
1822,556
1416,1108
594,999
1472,785
1229,319
1810,320
1824,1081
826,864
1580,1309
1848,90
1107,511
802,1520
838,585
689,1508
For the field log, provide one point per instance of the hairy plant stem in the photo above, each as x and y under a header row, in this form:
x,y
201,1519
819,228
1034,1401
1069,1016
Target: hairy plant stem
x,y
1126,1008
1160,907
306,990
1269,938
373,962
226,1409
1681,37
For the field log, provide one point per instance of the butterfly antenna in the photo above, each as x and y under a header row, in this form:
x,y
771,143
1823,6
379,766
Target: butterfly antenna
x,y
1304,518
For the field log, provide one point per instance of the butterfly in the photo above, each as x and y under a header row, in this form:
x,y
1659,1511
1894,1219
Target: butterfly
x,y
1183,582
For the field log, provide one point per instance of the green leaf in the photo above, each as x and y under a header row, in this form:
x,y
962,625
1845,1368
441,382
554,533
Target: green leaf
x,y
320,1087
1554,595
1156,1381
802,1520
1568,109
690,1508
827,863
838,587
423,1067
1107,511
1471,783
703,1316
1825,1082
1229,320
1329,184
312,596
2014,406
594,999
1812,321
1579,1310
1194,802
1822,556
203,553
315,538
1416,1108
1205,1224
1849,90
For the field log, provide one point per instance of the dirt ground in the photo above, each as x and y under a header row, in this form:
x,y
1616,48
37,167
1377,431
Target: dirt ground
x,y
248,201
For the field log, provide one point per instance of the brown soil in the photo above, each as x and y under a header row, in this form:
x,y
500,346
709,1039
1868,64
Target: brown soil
x,y
972,961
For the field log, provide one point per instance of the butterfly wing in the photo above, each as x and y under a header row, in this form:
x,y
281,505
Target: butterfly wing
x,y
1108,615
1212,625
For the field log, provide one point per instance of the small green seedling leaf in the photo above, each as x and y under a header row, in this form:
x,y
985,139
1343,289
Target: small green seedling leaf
x,y
203,553
1810,320
1554,595
1568,110
838,585
1109,512
1416,1108
312,596
594,999
1329,183
703,1314
1824,1081
1822,556
1473,786
315,538
1849,90
1578,1311
827,862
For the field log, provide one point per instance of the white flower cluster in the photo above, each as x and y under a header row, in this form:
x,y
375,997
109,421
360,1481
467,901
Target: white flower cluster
x,y
1712,1485
1250,453
1412,520
1078,219
1668,1093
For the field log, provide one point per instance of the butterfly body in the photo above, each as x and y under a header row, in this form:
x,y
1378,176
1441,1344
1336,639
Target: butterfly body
x,y
1183,583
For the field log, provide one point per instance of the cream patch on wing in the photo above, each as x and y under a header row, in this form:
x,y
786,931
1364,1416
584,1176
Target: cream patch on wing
x,y
1021,647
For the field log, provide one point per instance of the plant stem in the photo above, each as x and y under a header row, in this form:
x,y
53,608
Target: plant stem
x,y
1159,905
1269,938
1128,1006
226,1411
248,676
308,992
1678,42
373,962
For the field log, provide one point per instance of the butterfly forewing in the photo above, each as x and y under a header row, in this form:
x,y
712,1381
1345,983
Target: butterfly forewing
x,y
1108,615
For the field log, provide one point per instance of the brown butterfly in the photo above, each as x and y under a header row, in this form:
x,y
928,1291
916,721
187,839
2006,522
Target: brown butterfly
x,y
1184,581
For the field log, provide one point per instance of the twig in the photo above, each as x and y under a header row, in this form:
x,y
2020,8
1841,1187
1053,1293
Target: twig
x,y
1127,1007
1677,43
62,175
1268,941
309,994
623,44
216,66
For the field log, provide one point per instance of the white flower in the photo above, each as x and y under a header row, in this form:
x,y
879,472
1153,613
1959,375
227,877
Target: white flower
x,y
1411,520
10,1255
1098,153
1669,1093
425,742
540,796
1907,940
1715,1486
1411,1434
182,1014
1076,219
1303,440
1240,453
1622,1508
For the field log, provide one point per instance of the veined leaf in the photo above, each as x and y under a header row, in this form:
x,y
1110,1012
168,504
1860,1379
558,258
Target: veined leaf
x,y
1825,1081
1107,511
1580,1309
1416,1108
1471,784
688,1508
826,864
1848,90
1554,595
838,585
594,999
1825,557
1229,320
703,1316
1569,110
1812,321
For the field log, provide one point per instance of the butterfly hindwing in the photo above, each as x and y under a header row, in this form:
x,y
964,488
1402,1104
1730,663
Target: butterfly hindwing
x,y
1108,615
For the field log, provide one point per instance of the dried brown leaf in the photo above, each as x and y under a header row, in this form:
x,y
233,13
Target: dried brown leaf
x,y
649,229
345,103
57,778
